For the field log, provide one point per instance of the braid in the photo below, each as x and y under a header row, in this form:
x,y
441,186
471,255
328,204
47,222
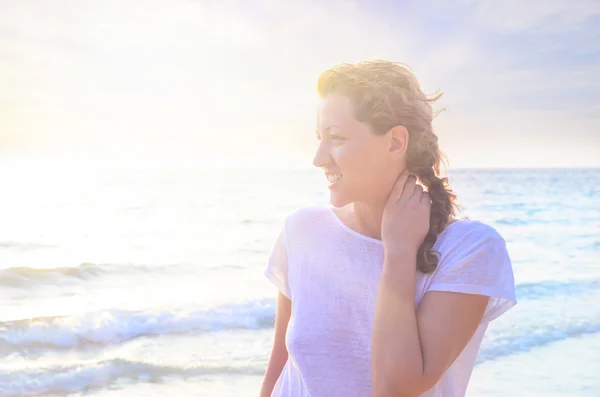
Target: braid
x,y
443,206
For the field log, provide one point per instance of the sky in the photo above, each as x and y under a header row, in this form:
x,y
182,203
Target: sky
x,y
232,83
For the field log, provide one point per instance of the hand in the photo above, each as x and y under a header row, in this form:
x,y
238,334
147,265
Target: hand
x,y
406,215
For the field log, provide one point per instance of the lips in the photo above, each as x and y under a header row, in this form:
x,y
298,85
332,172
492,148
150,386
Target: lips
x,y
332,178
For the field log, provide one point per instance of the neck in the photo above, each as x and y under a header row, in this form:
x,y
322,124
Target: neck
x,y
367,218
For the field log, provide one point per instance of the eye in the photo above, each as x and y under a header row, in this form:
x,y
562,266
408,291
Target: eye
x,y
336,137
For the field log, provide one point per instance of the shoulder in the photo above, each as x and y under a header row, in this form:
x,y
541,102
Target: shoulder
x,y
305,217
471,246
303,225
468,232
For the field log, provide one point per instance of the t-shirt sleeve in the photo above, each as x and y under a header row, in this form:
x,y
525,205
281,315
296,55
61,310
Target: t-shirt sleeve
x,y
478,263
277,269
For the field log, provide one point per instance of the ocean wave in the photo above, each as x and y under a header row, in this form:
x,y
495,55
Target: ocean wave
x,y
90,376
510,344
26,277
62,380
112,327
512,222
556,288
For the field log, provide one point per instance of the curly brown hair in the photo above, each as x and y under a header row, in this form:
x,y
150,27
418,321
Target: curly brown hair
x,y
387,94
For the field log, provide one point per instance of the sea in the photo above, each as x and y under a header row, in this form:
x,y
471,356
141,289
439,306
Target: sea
x,y
149,281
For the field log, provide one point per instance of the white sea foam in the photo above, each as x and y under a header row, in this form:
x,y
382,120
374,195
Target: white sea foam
x,y
61,380
117,326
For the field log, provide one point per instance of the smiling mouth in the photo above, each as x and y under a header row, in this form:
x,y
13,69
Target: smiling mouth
x,y
332,178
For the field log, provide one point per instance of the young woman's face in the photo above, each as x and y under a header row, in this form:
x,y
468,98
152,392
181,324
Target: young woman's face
x,y
359,164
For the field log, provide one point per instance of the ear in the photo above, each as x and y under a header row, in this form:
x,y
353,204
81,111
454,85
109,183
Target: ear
x,y
398,139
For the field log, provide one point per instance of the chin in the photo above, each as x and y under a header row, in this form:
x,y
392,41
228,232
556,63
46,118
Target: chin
x,y
339,200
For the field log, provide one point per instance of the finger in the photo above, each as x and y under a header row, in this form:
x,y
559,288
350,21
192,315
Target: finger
x,y
426,198
417,193
409,187
399,186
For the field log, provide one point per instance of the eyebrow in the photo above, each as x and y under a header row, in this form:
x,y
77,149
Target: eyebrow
x,y
328,128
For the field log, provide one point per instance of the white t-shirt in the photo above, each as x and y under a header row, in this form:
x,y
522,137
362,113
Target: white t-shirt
x,y
331,272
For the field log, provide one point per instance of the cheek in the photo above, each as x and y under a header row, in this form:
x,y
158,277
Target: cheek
x,y
361,162
349,157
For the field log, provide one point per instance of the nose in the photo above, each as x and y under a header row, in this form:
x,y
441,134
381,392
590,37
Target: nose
x,y
322,156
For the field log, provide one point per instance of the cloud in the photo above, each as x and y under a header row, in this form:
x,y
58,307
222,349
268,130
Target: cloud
x,y
547,15
218,77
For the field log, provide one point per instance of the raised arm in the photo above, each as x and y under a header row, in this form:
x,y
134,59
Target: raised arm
x,y
412,348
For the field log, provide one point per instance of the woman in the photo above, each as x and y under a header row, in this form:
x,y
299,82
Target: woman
x,y
384,293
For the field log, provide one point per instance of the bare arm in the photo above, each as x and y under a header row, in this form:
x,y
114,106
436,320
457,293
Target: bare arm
x,y
279,352
412,348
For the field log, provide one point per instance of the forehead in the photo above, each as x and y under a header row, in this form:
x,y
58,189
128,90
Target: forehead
x,y
334,109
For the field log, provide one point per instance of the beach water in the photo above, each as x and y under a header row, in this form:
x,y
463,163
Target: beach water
x,y
149,282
